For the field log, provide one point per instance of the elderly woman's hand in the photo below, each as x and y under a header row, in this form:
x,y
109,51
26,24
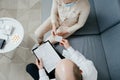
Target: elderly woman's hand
x,y
62,33
53,32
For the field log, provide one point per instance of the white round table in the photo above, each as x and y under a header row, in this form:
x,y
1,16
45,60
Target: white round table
x,y
16,37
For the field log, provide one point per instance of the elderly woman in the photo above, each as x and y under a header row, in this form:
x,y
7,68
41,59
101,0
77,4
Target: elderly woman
x,y
67,16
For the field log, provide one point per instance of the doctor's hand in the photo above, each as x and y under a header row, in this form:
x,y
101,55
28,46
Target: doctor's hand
x,y
39,64
65,43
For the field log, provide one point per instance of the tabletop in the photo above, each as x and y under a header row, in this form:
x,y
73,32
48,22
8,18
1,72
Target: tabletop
x,y
13,38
